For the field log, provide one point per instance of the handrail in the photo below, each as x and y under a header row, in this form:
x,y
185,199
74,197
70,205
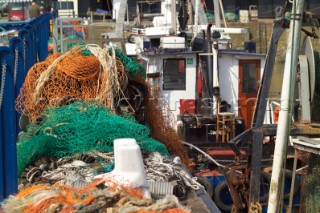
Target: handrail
x,y
26,49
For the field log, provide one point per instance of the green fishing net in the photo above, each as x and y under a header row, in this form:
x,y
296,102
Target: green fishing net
x,y
131,66
312,203
80,127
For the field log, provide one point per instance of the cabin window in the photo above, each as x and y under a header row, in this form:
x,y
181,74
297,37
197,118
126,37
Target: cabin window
x,y
65,5
174,74
249,78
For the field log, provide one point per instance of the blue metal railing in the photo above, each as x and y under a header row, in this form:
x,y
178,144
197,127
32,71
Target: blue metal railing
x,y
30,47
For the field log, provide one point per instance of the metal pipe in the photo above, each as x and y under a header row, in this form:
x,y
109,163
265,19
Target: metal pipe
x,y
215,76
205,154
196,18
288,87
223,17
174,16
217,13
293,179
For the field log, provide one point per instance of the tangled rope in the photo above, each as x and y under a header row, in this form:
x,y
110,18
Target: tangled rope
x,y
101,195
76,171
162,168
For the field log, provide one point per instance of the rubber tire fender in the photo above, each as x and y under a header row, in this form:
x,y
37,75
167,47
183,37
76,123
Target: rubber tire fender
x,y
296,189
205,182
217,197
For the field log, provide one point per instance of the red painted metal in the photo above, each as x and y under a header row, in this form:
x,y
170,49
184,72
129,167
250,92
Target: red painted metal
x,y
187,105
223,152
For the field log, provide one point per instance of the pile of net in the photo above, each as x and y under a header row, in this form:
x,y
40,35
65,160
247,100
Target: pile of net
x,y
80,127
312,194
99,196
76,171
85,72
113,84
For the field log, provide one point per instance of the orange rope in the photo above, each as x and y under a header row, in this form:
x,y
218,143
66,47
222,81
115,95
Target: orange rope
x,y
32,189
175,210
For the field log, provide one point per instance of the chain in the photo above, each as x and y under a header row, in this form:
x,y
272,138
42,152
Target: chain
x,y
3,80
16,60
255,207
24,54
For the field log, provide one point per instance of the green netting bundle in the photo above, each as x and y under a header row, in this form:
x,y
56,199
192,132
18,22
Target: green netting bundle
x,y
133,68
78,128
312,203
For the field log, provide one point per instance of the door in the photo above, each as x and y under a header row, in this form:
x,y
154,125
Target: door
x,y
249,76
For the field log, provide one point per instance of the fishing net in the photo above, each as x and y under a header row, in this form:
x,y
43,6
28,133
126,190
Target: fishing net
x,y
84,72
88,72
312,197
158,118
99,196
133,68
78,128
79,66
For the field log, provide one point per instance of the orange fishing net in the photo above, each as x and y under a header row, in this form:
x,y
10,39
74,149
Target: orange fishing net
x,y
159,122
40,198
72,75
79,66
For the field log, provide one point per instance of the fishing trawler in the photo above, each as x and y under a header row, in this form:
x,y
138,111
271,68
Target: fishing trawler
x,y
218,95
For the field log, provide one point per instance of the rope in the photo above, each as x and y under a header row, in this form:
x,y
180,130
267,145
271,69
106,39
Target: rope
x,y
44,77
161,168
3,80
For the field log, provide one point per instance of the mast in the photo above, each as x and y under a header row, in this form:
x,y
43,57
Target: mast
x,y
217,13
287,96
174,15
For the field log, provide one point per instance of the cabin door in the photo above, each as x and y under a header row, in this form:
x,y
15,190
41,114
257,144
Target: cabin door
x,y
249,78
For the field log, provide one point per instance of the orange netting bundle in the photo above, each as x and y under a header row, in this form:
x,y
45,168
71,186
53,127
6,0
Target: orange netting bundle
x,y
75,75
160,122
100,195
79,66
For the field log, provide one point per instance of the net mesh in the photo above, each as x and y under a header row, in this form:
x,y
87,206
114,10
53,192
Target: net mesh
x,y
133,68
78,128
73,74
102,77
160,122
312,198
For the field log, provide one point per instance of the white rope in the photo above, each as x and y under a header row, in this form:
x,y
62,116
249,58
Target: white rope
x,y
161,168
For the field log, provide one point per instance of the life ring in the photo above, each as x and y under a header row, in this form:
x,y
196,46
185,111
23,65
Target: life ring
x,y
219,193
206,184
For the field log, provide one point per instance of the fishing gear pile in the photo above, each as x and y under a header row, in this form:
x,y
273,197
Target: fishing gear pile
x,y
73,107
89,72
160,121
77,171
85,72
99,196
80,127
